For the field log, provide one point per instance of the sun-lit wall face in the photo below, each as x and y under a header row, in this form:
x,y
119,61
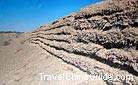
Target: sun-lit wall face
x,y
26,15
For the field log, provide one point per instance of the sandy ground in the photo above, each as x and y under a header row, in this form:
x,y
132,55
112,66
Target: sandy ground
x,y
21,63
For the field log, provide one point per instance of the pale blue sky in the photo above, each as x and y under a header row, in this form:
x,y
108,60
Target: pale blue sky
x,y
27,15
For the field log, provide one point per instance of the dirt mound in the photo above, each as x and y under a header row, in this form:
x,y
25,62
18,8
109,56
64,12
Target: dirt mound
x,y
106,33
7,38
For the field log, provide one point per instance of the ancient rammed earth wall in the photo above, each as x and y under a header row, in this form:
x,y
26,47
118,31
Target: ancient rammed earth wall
x,y
105,33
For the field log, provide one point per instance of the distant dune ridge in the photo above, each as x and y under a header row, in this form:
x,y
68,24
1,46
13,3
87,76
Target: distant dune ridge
x,y
100,38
